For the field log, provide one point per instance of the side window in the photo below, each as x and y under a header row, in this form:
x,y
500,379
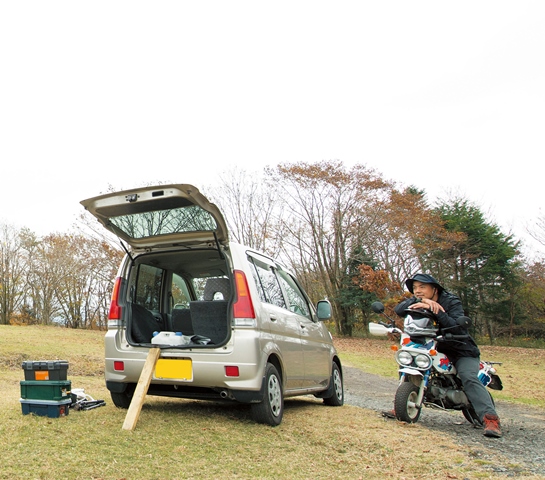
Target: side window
x,y
198,285
267,283
180,292
296,299
148,287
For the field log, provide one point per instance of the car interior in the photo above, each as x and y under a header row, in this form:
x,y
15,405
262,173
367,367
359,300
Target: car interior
x,y
185,291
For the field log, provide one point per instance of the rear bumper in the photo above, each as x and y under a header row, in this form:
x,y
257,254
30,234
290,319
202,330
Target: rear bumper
x,y
192,392
209,378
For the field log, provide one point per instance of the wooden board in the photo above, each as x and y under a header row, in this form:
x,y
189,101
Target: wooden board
x,y
141,390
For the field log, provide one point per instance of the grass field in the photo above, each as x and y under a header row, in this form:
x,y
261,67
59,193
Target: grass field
x,y
182,439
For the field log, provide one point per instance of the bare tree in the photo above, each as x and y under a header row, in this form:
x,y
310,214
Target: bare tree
x,y
41,278
250,205
405,233
13,265
327,214
537,231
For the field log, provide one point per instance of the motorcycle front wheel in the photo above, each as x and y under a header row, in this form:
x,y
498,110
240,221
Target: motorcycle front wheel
x,y
404,404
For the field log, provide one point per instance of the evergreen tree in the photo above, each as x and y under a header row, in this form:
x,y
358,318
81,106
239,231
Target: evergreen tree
x,y
481,267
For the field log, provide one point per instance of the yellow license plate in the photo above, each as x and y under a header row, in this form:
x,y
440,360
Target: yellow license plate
x,y
179,369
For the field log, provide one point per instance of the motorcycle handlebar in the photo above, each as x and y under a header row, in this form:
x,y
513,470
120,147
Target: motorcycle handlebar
x,y
450,336
391,327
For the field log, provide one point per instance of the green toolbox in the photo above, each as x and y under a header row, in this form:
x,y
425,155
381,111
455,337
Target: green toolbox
x,y
46,390
44,408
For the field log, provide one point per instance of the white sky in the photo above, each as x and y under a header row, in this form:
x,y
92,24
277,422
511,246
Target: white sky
x,y
448,96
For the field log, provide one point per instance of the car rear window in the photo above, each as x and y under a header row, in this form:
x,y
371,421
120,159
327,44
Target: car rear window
x,y
164,222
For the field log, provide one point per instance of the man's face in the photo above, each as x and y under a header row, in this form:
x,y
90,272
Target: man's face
x,y
423,290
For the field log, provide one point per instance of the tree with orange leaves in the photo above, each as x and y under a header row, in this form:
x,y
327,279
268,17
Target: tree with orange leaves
x,y
328,212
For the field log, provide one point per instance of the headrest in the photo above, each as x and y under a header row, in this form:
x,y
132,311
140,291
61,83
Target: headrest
x,y
217,285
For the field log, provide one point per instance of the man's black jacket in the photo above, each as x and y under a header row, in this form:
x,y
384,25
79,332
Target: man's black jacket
x,y
447,323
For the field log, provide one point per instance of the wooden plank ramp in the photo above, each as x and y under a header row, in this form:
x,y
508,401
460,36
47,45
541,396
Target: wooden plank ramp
x,y
141,389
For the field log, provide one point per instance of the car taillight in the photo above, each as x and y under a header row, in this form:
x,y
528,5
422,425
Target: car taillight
x,y
115,309
243,307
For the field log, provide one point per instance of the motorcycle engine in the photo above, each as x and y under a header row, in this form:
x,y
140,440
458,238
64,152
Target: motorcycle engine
x,y
446,396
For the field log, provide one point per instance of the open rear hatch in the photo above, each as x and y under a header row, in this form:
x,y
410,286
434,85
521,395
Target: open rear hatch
x,y
155,221
160,216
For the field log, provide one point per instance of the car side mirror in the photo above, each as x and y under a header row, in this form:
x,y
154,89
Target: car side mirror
x,y
323,310
377,307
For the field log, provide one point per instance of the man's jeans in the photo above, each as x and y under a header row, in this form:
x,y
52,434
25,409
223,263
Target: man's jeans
x,y
468,371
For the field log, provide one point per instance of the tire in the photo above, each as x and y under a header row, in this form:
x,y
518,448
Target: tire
x,y
471,416
123,399
405,410
337,399
271,409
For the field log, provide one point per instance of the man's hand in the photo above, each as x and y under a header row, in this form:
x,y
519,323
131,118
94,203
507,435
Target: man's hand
x,y
428,304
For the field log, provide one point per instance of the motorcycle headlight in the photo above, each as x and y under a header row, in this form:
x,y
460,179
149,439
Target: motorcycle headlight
x,y
404,358
422,361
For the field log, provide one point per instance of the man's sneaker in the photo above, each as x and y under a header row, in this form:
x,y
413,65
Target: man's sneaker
x,y
491,425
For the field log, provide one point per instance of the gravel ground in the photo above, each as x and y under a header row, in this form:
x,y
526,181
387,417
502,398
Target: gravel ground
x,y
522,445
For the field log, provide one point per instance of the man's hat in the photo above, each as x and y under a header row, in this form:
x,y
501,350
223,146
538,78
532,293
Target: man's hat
x,y
423,278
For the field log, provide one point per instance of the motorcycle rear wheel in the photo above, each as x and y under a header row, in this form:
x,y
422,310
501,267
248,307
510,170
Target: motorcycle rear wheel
x,y
471,416
404,403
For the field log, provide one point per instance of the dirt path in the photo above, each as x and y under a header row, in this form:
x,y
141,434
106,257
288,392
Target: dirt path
x,y
522,444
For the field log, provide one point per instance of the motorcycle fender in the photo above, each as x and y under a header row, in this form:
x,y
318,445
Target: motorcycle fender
x,y
496,383
410,371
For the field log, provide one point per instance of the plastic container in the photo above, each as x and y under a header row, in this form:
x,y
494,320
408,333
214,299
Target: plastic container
x,y
44,408
46,390
170,338
45,370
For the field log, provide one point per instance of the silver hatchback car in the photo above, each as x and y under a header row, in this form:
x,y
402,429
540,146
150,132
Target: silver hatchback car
x,y
231,322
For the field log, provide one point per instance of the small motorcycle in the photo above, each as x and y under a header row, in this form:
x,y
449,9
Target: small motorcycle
x,y
426,376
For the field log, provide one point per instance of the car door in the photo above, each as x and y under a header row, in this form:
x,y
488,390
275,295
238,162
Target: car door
x,y
283,326
315,340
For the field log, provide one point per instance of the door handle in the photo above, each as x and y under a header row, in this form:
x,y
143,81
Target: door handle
x,y
273,318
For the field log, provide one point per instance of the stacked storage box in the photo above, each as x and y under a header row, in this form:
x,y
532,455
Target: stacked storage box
x,y
46,390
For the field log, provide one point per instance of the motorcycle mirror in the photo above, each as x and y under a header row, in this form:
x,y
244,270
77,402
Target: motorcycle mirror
x,y
464,321
377,307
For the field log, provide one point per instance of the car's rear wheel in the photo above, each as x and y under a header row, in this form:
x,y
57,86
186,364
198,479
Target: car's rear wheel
x,y
122,399
271,409
337,398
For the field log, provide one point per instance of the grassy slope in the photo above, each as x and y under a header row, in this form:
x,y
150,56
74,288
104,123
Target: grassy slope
x,y
186,439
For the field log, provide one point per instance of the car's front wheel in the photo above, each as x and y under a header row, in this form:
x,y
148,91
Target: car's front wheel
x,y
271,409
336,381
